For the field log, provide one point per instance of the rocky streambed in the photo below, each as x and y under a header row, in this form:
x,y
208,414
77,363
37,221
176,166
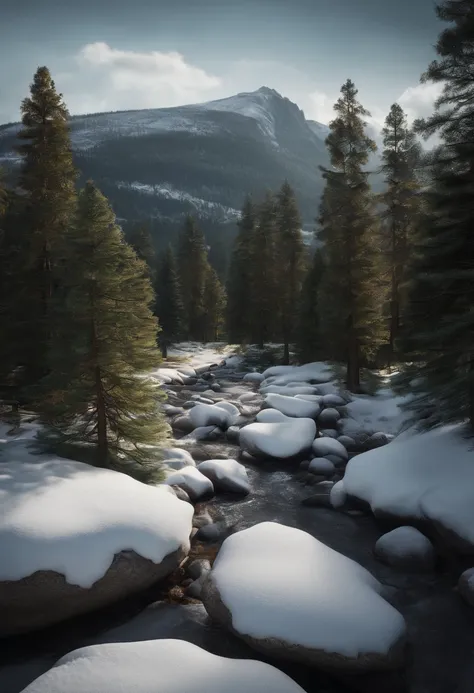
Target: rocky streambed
x,y
440,628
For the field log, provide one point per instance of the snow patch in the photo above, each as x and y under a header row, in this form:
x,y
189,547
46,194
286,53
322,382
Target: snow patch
x,y
279,440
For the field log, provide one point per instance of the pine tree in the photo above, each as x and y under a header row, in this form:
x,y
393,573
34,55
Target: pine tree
x,y
350,291
440,313
192,267
239,281
142,243
214,306
308,344
401,200
169,306
263,308
47,180
290,256
95,396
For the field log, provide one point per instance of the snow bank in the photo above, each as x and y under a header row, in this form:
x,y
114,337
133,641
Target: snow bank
x,y
158,666
228,474
419,476
381,412
192,481
280,440
290,390
200,355
279,582
290,406
177,458
68,517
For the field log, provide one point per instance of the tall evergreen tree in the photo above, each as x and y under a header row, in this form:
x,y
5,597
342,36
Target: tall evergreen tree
x,y
239,280
263,309
214,306
290,257
350,294
308,337
441,317
192,267
105,340
169,306
142,243
47,181
401,200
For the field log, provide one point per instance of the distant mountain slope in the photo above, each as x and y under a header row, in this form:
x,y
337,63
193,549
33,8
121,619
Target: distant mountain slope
x,y
202,158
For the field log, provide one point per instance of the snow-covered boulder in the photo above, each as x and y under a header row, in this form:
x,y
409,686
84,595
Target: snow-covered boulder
x,y
291,597
421,476
466,586
322,467
280,440
74,538
191,480
292,391
177,458
329,446
338,495
203,433
333,401
310,398
158,666
213,414
290,406
253,377
272,416
226,475
406,548
328,418
317,372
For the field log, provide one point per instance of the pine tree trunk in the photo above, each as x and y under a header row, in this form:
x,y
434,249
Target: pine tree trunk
x,y
353,365
102,446
286,354
471,393
164,349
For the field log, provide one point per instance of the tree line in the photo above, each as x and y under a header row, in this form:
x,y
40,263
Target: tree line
x,y
393,279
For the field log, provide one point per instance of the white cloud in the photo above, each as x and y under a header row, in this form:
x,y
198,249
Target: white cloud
x,y
321,107
418,102
107,78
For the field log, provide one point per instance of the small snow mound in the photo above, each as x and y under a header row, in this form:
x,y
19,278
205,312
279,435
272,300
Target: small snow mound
x,y
158,666
213,414
191,480
322,466
338,495
329,446
177,458
405,546
291,391
271,416
226,475
317,372
290,406
279,440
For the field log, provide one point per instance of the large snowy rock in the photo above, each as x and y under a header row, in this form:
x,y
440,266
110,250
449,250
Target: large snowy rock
x,y
253,377
74,538
289,390
226,475
291,597
280,440
406,548
329,446
421,477
191,480
158,666
290,406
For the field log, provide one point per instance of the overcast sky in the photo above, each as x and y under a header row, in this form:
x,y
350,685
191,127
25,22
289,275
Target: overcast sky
x,y
117,54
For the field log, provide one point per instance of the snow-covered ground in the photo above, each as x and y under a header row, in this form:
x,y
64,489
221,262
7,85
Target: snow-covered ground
x,y
198,355
420,476
69,517
158,666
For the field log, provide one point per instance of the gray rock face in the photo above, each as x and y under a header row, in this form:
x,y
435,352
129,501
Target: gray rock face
x,y
45,597
198,568
216,532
